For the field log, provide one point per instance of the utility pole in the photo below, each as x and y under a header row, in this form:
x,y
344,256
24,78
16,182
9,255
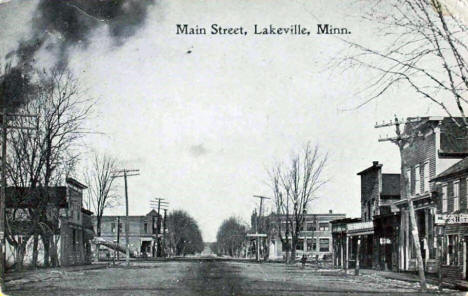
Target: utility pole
x,y
257,222
5,127
400,140
126,173
160,202
118,237
164,232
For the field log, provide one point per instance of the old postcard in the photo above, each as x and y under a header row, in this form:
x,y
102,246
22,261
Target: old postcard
x,y
156,147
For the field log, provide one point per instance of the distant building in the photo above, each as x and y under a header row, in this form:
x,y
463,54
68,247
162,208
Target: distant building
x,y
67,222
315,238
143,232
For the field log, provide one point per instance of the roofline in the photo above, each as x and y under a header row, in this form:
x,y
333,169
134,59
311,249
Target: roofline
x,y
76,183
376,166
449,176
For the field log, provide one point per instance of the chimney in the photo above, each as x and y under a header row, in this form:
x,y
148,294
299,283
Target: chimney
x,y
375,163
330,211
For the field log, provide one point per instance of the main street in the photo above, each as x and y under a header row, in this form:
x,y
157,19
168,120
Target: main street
x,y
209,277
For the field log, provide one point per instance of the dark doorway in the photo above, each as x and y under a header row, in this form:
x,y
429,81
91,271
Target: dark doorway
x,y
145,248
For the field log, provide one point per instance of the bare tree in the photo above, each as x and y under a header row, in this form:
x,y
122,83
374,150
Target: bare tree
x,y
294,187
43,158
425,49
99,180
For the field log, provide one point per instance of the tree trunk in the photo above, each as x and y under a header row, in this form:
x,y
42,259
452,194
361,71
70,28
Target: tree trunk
x,y
53,252
293,251
98,226
20,251
35,250
46,243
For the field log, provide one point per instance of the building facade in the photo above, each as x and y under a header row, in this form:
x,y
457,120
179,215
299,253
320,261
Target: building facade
x,y
315,238
432,146
66,225
451,221
371,238
143,232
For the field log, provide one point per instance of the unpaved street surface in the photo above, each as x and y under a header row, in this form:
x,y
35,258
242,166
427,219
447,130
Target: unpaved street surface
x,y
209,277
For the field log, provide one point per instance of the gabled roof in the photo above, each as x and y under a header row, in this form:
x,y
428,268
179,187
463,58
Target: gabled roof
x,y
76,183
456,169
375,165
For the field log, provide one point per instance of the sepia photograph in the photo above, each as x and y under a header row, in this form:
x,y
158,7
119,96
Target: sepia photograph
x,y
235,147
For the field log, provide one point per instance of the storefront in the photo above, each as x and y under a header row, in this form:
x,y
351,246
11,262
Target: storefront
x,y
352,242
452,233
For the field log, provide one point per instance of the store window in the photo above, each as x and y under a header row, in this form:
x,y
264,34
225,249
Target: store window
x,y
452,250
310,245
324,245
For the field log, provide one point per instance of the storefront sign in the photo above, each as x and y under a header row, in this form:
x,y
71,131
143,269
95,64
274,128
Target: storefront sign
x,y
441,219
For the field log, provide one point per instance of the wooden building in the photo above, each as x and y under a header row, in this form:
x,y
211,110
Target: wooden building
x,y
433,146
452,220
65,223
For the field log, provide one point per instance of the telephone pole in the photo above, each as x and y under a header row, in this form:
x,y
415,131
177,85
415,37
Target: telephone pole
x,y
5,127
126,173
160,202
257,222
400,140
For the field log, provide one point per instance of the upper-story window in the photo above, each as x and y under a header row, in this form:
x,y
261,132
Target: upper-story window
x,y
444,198
324,226
427,173
456,196
112,227
417,178
466,194
310,226
145,226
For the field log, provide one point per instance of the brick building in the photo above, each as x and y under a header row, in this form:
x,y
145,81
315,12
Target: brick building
x,y
142,232
315,238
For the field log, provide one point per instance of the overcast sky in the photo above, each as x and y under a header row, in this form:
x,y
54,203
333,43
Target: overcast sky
x,y
204,126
